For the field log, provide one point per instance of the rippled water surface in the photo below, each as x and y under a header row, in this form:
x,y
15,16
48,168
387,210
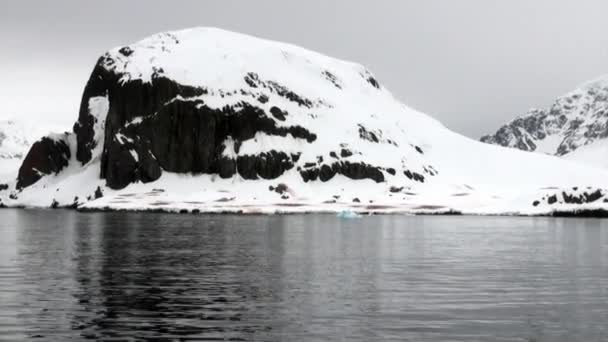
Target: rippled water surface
x,y
129,276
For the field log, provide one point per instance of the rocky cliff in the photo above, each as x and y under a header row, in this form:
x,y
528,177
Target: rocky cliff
x,y
576,119
177,102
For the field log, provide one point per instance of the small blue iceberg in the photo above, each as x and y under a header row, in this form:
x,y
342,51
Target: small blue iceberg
x,y
348,214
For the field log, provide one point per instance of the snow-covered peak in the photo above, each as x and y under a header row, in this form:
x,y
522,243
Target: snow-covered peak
x,y
220,58
575,119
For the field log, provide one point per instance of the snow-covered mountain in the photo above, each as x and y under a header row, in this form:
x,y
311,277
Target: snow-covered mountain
x,y
16,138
205,120
576,119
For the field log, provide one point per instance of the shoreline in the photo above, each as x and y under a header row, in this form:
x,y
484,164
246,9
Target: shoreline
x,y
558,213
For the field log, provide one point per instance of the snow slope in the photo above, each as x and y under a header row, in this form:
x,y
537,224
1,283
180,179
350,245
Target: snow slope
x,y
594,154
334,119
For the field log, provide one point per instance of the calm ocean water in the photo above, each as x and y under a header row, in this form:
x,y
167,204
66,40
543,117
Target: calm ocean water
x,y
130,276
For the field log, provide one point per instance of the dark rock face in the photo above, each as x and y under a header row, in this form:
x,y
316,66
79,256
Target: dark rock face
x,y
279,189
178,135
573,196
129,159
368,135
98,193
267,165
3,187
47,156
333,79
355,171
253,80
98,85
278,113
414,176
127,101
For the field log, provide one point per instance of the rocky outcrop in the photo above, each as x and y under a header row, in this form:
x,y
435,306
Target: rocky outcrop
x,y
358,171
47,156
574,120
186,137
138,122
572,196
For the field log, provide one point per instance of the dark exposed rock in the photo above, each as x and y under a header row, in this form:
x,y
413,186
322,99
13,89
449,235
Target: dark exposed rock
x,y
373,82
278,113
594,196
290,95
395,189
263,99
98,193
128,159
54,204
253,80
47,156
186,137
344,153
365,134
333,155
226,167
126,51
430,170
369,78
74,203
356,200
268,165
536,203
3,187
279,189
586,197
127,100
418,177
574,198
355,171
391,171
332,78
327,172
552,199
414,176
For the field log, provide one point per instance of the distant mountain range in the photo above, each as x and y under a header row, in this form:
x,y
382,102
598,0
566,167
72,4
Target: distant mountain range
x,y
575,120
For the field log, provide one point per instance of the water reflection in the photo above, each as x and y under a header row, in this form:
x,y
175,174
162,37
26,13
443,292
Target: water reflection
x,y
67,275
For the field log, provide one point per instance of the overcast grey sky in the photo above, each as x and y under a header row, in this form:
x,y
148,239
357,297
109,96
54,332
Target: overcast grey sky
x,y
473,64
